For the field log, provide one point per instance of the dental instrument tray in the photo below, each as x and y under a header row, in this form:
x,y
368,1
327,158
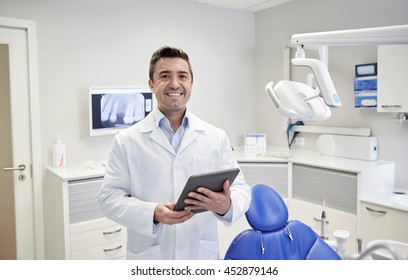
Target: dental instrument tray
x,y
210,180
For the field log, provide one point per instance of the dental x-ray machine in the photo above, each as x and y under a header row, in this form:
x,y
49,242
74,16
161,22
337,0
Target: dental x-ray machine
x,y
298,101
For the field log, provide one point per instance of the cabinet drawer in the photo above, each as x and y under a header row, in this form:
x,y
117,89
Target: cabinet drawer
x,y
98,236
109,251
380,222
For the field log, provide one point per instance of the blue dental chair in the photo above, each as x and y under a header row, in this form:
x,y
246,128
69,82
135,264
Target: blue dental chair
x,y
272,236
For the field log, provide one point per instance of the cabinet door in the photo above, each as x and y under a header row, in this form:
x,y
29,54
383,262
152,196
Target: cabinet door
x,y
392,76
274,175
379,222
312,184
82,199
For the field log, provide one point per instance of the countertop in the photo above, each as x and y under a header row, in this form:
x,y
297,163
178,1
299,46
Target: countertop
x,y
276,154
80,170
396,199
391,197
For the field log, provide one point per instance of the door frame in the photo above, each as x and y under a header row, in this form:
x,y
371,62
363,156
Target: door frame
x,y
30,27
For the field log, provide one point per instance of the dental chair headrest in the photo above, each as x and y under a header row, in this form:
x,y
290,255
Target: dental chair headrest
x,y
267,211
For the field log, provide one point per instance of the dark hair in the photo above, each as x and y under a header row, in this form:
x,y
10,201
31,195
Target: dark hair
x,y
165,52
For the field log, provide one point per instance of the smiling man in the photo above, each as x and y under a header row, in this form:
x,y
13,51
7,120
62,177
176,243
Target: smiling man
x,y
150,163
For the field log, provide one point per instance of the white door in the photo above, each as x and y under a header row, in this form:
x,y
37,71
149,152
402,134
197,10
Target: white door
x,y
17,228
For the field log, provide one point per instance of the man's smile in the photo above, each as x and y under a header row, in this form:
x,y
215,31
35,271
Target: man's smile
x,y
174,93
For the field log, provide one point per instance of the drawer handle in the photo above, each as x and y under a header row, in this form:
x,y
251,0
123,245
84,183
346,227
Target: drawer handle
x,y
112,232
319,220
112,249
376,211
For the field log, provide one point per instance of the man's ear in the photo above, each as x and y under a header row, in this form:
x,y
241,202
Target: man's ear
x,y
151,85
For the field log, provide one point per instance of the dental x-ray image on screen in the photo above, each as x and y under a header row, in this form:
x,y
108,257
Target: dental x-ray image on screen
x,y
115,108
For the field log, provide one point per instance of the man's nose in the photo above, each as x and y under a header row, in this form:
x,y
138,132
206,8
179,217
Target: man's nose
x,y
174,83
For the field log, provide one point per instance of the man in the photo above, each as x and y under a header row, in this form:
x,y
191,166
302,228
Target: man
x,y
150,163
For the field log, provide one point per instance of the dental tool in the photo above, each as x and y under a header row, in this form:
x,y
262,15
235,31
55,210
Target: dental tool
x,y
323,220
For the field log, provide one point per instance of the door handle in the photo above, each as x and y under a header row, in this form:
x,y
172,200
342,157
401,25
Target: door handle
x,y
21,167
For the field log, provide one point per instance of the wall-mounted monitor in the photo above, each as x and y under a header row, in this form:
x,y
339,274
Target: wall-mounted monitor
x,y
112,109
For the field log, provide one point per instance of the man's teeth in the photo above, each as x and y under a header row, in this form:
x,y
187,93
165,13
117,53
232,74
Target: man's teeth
x,y
174,94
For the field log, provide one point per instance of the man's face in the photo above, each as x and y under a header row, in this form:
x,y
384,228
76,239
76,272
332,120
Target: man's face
x,y
172,85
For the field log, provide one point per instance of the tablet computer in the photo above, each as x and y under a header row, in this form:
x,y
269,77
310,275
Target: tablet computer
x,y
210,180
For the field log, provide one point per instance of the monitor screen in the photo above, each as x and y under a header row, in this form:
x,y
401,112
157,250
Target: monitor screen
x,y
112,109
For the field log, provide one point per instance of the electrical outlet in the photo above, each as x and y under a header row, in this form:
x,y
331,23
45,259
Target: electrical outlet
x,y
300,141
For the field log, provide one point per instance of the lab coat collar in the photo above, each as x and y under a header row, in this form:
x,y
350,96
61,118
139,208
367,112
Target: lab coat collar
x,y
150,124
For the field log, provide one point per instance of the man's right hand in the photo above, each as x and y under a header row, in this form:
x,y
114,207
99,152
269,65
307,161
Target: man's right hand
x,y
163,213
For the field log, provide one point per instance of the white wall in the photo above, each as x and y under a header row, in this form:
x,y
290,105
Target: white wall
x,y
94,42
274,28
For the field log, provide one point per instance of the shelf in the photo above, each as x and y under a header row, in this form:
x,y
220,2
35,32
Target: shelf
x,y
361,131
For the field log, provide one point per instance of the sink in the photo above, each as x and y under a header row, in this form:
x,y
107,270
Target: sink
x,y
388,249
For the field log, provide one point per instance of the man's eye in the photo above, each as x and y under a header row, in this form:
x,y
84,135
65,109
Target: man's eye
x,y
164,76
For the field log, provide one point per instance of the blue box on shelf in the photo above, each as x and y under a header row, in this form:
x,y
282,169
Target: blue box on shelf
x,y
365,92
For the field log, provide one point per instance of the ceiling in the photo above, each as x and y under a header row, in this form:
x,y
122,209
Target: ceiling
x,y
246,5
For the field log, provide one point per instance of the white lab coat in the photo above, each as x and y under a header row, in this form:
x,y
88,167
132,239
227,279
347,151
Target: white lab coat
x,y
144,170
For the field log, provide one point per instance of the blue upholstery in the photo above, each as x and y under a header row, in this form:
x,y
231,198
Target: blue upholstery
x,y
272,236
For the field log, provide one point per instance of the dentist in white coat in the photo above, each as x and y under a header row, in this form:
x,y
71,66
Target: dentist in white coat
x,y
150,163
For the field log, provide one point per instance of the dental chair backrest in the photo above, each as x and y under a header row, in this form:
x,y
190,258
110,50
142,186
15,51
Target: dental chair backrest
x,y
272,236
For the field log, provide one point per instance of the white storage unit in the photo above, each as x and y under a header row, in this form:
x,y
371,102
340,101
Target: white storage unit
x,y
381,222
343,181
310,185
74,226
392,76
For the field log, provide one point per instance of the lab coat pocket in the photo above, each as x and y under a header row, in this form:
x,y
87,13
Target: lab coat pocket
x,y
203,164
208,250
152,253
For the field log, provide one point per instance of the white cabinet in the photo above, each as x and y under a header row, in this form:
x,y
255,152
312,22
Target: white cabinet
x,y
310,214
392,76
97,240
310,185
380,222
342,182
75,228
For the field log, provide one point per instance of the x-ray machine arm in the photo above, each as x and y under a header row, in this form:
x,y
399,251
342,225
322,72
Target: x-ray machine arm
x,y
301,102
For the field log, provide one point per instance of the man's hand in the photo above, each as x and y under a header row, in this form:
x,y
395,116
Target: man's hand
x,y
218,202
163,213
